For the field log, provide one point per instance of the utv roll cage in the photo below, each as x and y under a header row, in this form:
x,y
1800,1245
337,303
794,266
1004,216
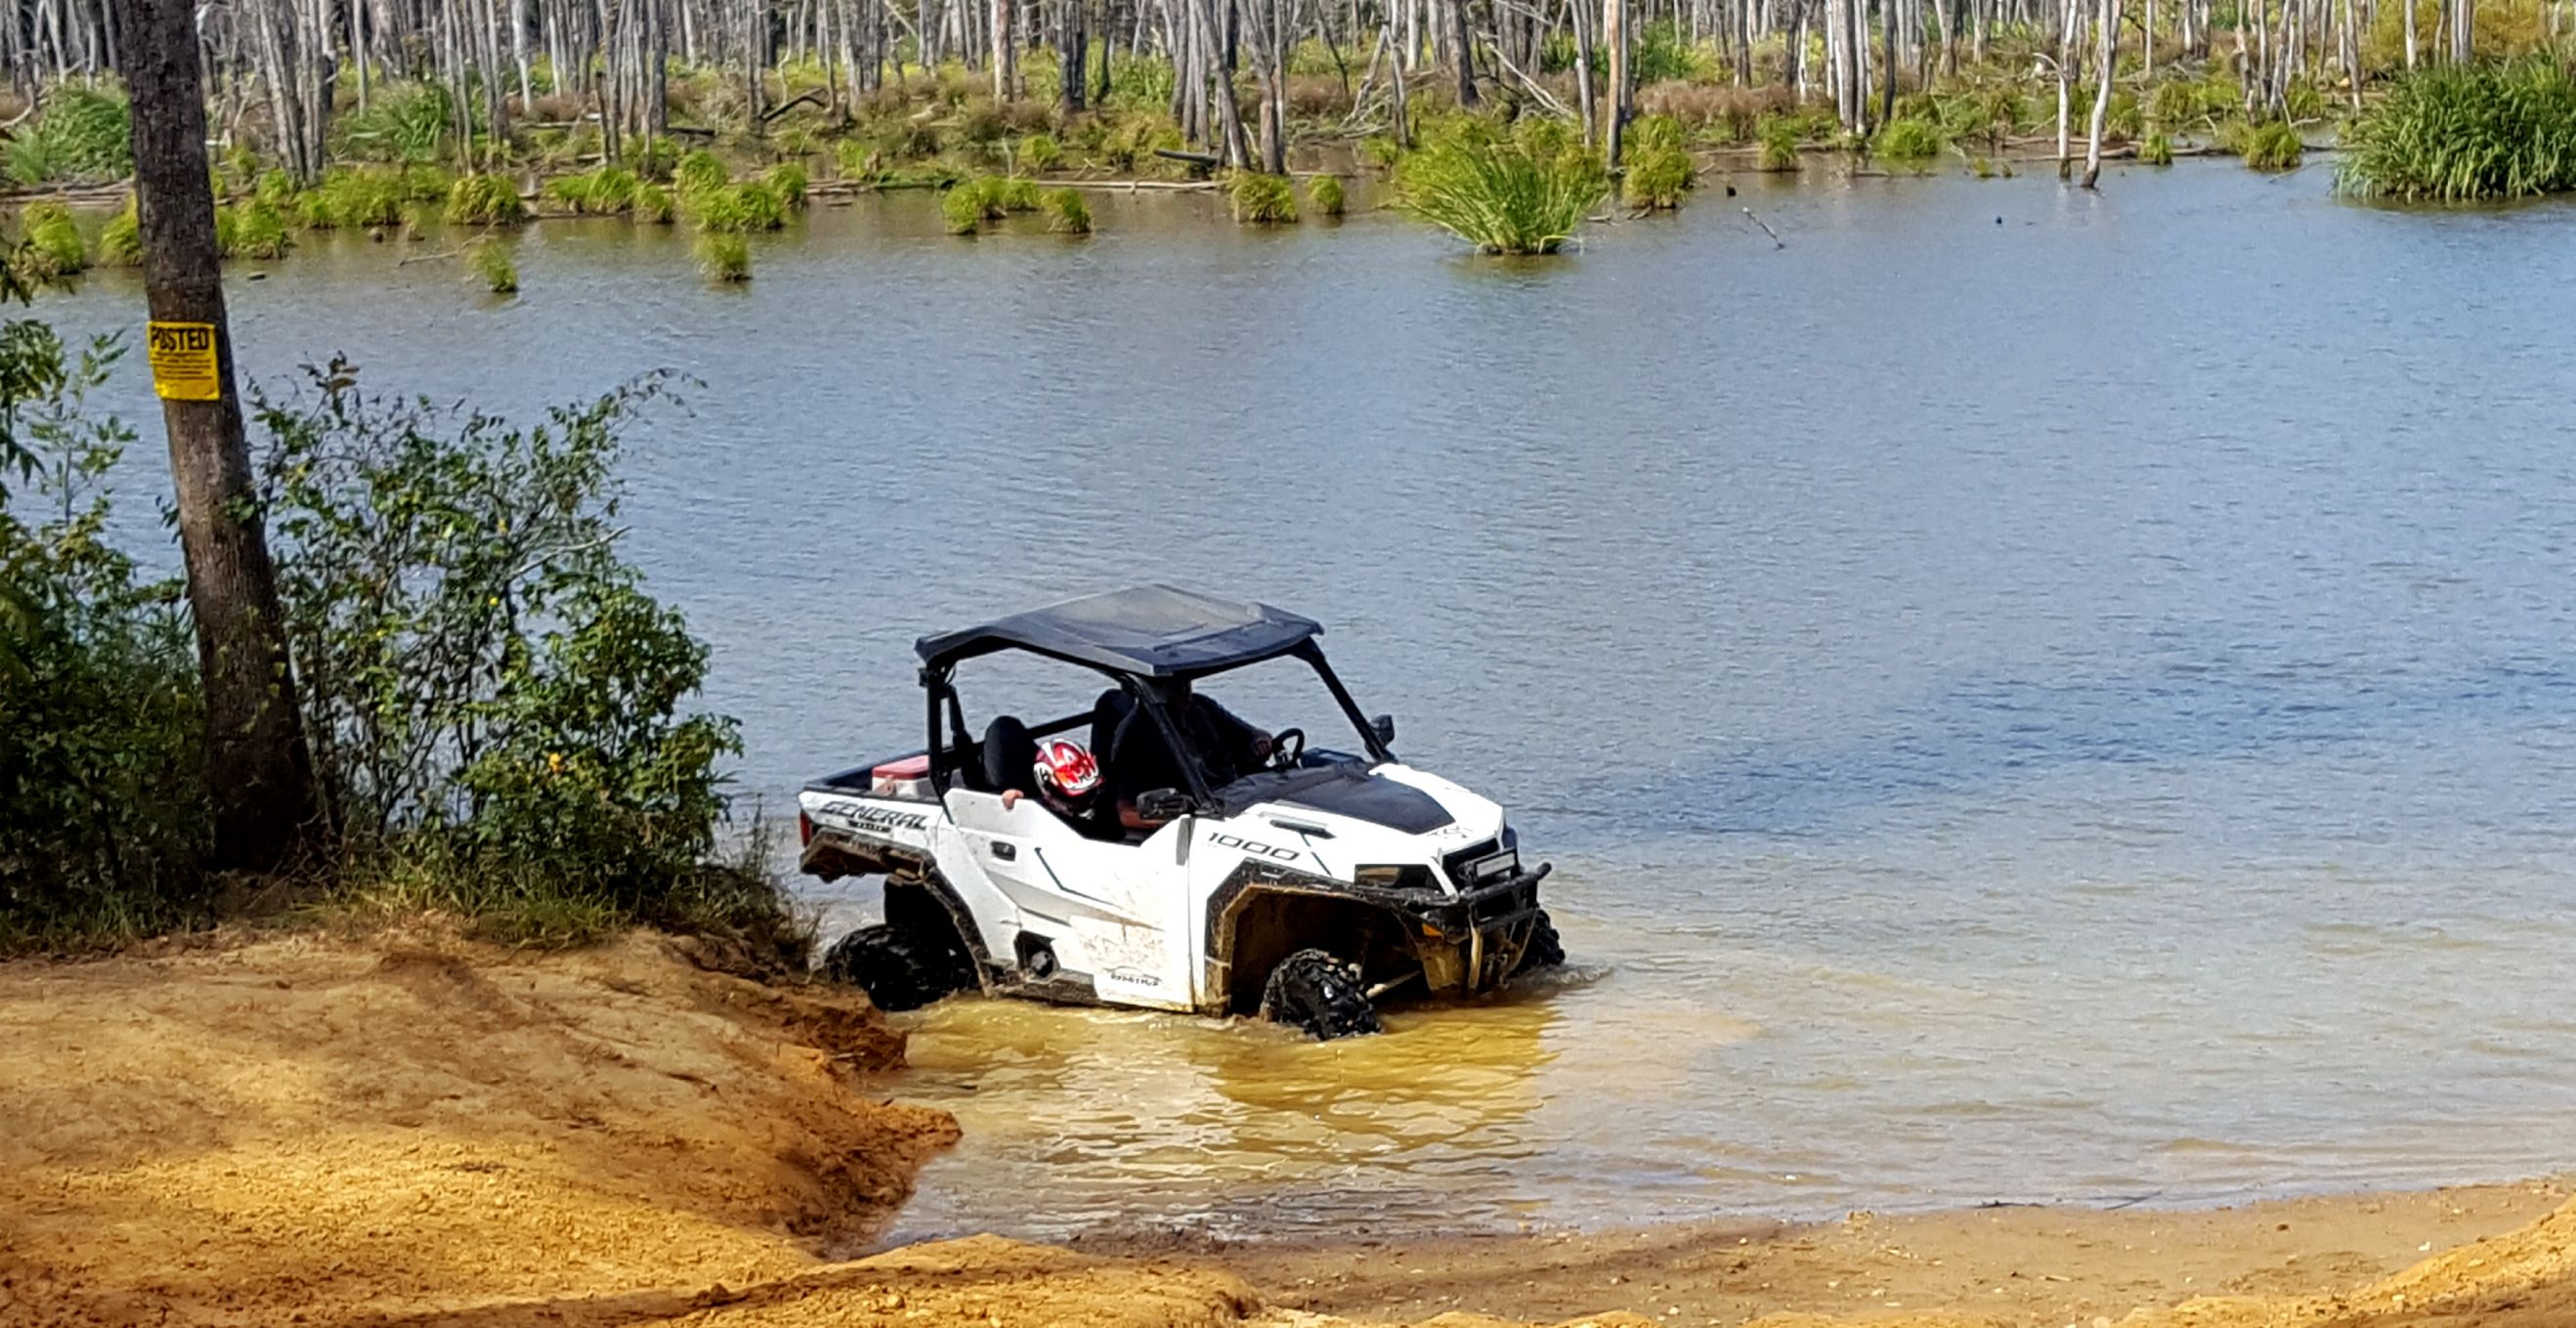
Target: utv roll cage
x,y
1145,632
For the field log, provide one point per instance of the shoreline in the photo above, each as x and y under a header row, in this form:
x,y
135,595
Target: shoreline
x,y
410,1129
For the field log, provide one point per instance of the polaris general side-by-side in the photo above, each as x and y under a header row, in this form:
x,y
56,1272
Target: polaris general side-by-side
x,y
1216,868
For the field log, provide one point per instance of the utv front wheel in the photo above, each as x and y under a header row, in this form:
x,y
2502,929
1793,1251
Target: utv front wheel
x,y
1319,994
1545,949
897,971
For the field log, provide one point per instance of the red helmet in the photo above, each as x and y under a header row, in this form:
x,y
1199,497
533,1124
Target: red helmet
x,y
1066,766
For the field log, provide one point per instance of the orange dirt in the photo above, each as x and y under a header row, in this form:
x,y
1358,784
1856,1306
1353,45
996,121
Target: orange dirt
x,y
412,1131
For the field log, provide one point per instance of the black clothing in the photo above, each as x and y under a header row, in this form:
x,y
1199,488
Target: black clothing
x,y
1142,762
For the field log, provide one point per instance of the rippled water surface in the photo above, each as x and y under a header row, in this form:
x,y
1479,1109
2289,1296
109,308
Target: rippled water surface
x,y
2031,695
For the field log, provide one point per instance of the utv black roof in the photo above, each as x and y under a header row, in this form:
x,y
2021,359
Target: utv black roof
x,y
1153,631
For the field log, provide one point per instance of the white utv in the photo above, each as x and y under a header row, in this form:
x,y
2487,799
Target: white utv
x,y
1304,890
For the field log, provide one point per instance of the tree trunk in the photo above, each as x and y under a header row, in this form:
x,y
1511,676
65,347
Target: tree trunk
x,y
1458,39
2108,57
1614,38
257,767
2065,82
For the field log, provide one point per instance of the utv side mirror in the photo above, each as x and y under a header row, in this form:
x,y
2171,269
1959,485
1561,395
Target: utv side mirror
x,y
1384,727
1164,805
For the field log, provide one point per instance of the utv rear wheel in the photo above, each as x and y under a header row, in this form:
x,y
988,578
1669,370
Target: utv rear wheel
x,y
899,970
1319,994
1544,950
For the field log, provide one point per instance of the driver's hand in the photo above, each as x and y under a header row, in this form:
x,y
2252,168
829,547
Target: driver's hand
x,y
1261,745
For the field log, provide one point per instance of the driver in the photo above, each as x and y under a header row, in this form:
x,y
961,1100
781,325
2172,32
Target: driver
x,y
1140,761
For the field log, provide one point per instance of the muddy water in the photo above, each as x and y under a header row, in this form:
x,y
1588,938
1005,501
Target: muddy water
x,y
2032,695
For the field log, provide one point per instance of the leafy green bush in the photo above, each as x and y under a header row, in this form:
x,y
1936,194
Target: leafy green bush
x,y
1503,196
103,812
1066,213
498,711
724,256
484,200
1262,200
80,134
2157,150
1661,53
1325,195
2451,133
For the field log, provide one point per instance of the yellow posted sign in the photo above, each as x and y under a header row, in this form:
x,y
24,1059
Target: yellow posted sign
x,y
184,364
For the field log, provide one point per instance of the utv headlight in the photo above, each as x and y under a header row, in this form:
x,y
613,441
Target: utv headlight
x,y
1413,876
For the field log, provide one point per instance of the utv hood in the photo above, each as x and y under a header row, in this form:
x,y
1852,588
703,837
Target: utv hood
x,y
1362,796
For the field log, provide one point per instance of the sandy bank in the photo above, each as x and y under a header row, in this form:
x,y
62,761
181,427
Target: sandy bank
x,y
417,1131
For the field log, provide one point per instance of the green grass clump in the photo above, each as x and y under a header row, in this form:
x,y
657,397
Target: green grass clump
x,y
364,196
699,170
1500,195
1779,135
964,209
252,230
1040,152
788,180
399,124
1325,195
1660,168
2448,134
604,192
655,206
484,200
1262,200
2270,146
724,257
492,264
81,134
1066,213
2157,150
54,246
1013,193
750,206
1380,150
121,243
1908,142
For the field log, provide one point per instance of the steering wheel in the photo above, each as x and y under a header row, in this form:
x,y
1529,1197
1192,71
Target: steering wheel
x,y
1283,756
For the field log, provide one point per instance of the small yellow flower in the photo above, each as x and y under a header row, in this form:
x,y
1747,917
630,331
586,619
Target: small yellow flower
x,y
554,763
495,601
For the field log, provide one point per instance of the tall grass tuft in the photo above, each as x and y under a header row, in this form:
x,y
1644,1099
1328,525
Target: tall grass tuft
x,y
1040,152
788,180
964,209
1503,196
1779,135
2157,150
484,200
359,197
81,134
1066,213
697,170
654,205
724,257
54,246
1262,200
2272,145
1908,142
254,229
1325,195
2448,133
121,243
492,264
1660,168
604,192
751,206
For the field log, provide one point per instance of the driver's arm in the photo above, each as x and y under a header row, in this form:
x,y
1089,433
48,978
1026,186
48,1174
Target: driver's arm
x,y
1239,736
